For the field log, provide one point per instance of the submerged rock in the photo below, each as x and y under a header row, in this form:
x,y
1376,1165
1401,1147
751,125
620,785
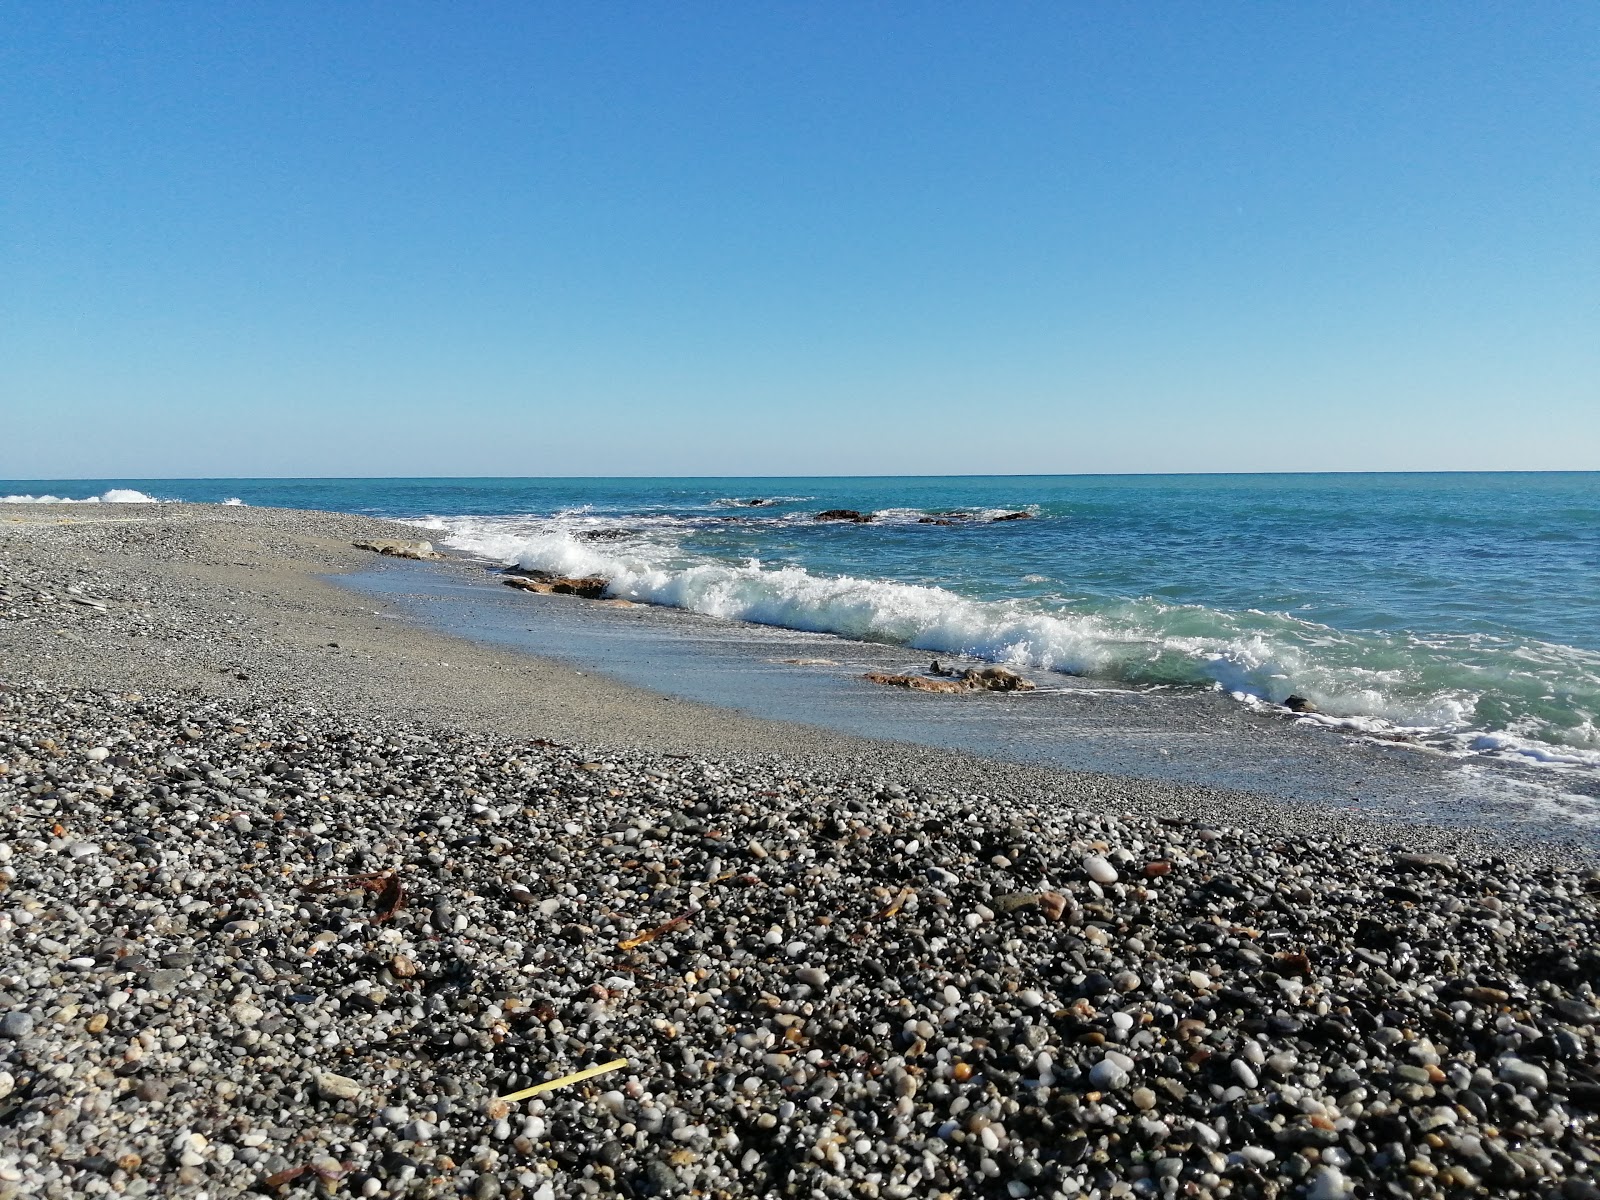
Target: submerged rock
x,y
1299,704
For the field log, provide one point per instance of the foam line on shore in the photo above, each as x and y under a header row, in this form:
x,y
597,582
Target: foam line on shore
x,y
1467,694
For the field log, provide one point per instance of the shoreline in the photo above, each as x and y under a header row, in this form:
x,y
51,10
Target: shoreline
x,y
287,916
242,602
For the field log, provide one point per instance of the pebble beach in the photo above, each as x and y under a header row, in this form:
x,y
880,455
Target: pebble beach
x,y
297,896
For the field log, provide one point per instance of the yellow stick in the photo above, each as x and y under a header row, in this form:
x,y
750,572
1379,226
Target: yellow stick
x,y
615,1064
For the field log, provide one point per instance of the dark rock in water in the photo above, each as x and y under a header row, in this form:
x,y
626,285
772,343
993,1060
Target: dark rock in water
x,y
1300,704
759,503
604,535
934,521
938,668
1013,516
843,514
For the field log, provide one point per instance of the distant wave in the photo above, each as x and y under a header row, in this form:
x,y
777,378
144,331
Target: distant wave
x,y
114,496
1472,694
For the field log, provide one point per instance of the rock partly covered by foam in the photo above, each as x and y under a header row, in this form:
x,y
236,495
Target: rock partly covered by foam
x,y
588,587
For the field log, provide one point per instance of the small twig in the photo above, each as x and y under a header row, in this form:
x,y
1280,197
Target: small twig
x,y
615,1064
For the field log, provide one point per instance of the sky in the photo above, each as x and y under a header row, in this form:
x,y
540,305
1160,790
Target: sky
x,y
397,238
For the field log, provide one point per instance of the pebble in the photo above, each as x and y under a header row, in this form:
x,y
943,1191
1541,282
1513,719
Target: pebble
x,y
1523,1074
337,1087
1099,869
1108,1076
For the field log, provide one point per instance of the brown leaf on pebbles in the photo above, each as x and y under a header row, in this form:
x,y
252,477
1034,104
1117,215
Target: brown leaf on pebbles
x,y
894,905
1294,963
390,900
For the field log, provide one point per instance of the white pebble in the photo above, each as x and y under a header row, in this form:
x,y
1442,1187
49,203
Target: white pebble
x,y
1099,869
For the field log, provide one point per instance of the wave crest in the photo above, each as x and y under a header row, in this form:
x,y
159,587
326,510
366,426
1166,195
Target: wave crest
x,y
1469,693
113,496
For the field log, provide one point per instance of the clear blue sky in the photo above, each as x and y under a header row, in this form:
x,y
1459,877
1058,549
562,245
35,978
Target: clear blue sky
x,y
775,238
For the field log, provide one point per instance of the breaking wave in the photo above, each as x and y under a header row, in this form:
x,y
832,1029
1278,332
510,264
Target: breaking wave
x,y
114,496
1478,694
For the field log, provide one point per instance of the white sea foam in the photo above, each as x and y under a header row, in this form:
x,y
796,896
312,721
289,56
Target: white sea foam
x,y
1369,685
114,496
234,501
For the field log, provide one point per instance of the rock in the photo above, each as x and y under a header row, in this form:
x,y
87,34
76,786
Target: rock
x,y
1107,1076
918,683
163,981
1053,905
934,521
1013,516
1299,704
843,514
603,535
397,548
16,1025
337,1087
996,679
1015,901
1099,869
1520,1074
1578,1012
588,587
1443,863
1329,1183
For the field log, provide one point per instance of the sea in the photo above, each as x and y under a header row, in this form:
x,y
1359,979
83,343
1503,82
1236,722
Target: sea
x,y
1448,616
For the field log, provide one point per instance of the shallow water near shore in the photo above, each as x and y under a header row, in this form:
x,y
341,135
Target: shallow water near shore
x,y
1453,614
1176,735
1459,610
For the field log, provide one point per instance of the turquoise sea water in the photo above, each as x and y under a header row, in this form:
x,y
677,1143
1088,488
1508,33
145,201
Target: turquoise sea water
x,y
1463,609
